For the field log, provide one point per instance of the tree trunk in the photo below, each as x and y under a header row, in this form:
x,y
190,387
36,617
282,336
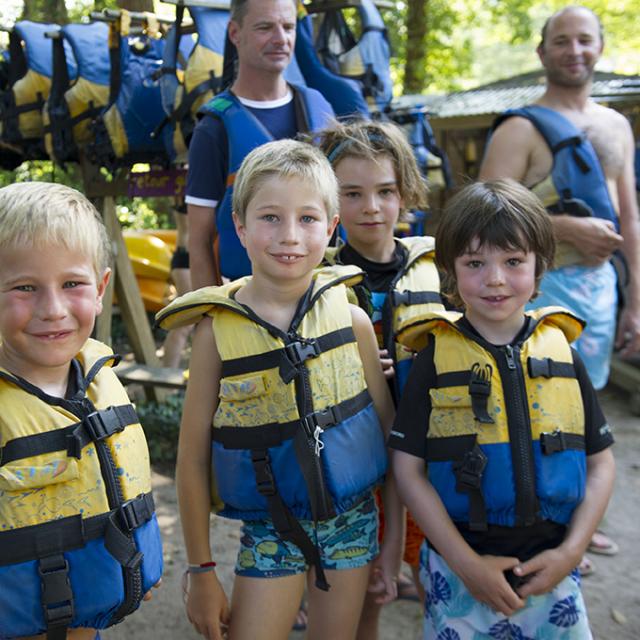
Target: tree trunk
x,y
414,68
45,11
136,5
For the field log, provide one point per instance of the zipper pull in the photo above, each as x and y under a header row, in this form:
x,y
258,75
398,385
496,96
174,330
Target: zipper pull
x,y
508,350
319,444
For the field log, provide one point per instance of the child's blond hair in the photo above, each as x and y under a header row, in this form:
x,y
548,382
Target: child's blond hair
x,y
285,159
373,140
42,214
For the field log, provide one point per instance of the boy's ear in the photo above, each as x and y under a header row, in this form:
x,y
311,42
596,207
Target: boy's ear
x,y
102,287
332,225
240,228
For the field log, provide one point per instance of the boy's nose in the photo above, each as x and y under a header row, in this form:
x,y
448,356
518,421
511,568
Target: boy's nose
x,y
51,306
289,232
495,276
371,203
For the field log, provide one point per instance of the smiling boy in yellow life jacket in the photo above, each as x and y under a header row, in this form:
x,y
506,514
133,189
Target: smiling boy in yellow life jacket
x,y
499,406
286,407
79,539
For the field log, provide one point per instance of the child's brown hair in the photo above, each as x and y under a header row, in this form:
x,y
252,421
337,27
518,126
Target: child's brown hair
x,y
500,213
371,140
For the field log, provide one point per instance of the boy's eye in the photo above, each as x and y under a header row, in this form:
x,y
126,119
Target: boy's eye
x,y
514,262
351,194
25,287
474,264
71,284
269,217
387,192
308,218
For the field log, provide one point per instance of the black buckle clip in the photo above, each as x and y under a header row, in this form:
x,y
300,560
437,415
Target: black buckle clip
x,y
401,297
264,475
135,512
552,442
539,367
102,424
299,351
469,470
325,418
56,590
74,443
480,380
134,562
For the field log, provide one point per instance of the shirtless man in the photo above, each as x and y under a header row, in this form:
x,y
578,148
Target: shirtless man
x,y
584,280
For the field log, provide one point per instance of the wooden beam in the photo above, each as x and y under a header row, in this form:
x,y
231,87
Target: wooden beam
x,y
165,377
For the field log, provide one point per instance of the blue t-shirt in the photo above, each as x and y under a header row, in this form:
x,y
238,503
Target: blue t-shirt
x,y
209,147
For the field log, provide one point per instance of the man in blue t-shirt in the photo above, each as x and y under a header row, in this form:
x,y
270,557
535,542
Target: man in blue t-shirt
x,y
263,32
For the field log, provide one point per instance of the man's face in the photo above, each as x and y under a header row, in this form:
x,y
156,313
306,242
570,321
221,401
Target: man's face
x,y
267,36
571,49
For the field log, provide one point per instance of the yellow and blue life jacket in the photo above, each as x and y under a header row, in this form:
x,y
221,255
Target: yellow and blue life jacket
x,y
414,291
29,83
191,74
295,434
73,102
244,133
506,431
79,539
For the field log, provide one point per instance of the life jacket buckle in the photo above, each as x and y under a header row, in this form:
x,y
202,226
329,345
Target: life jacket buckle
x,y
299,351
264,474
325,418
56,590
469,470
401,297
135,512
102,424
552,442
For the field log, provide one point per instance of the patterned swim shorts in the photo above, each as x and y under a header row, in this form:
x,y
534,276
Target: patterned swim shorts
x,y
347,541
452,613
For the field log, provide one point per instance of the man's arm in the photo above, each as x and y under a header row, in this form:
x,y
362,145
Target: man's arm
x,y
202,234
628,336
508,151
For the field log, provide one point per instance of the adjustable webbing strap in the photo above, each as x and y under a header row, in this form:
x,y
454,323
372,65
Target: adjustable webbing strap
x,y
556,441
286,525
548,368
72,532
72,439
275,433
469,463
57,596
290,357
478,381
414,297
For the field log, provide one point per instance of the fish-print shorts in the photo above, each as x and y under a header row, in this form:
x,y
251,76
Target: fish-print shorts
x,y
348,541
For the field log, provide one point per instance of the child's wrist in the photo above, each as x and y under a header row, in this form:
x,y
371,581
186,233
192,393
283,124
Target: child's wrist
x,y
205,567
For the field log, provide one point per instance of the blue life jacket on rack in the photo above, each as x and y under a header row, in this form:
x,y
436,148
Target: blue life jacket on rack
x,y
191,74
577,175
29,83
364,60
123,132
72,104
244,133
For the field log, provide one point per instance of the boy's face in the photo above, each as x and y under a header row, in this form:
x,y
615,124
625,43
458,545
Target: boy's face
x,y
49,299
495,285
370,202
286,229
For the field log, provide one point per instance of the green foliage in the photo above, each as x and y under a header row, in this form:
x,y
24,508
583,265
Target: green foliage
x,y
161,423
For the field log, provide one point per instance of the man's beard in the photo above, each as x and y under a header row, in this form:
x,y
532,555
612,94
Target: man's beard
x,y
557,77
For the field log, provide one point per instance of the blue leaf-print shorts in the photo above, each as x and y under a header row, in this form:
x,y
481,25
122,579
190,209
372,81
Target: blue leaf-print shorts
x,y
347,541
451,612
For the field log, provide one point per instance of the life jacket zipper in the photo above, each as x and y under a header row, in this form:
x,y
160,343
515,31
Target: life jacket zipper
x,y
519,423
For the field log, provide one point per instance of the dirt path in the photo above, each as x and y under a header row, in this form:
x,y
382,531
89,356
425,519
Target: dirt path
x,y
612,593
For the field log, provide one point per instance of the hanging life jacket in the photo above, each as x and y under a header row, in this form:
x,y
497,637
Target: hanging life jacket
x,y
79,540
295,434
123,131
365,60
21,104
244,133
576,185
72,104
414,291
191,74
506,430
